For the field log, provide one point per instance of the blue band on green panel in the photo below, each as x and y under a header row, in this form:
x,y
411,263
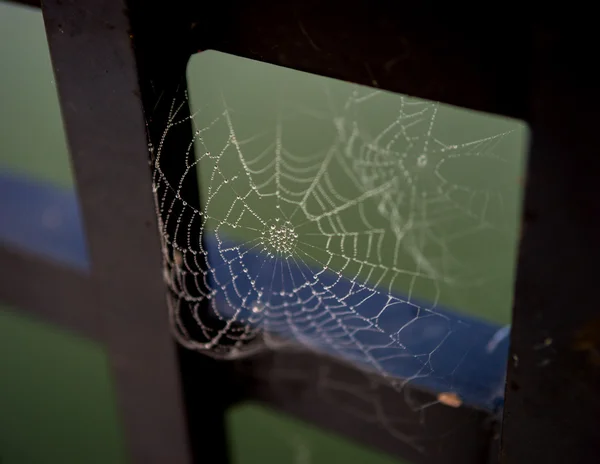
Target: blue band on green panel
x,y
43,219
471,361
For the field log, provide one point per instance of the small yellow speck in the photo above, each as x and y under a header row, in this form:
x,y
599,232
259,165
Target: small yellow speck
x,y
449,399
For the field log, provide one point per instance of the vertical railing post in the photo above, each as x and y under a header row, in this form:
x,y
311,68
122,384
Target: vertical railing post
x,y
552,404
102,83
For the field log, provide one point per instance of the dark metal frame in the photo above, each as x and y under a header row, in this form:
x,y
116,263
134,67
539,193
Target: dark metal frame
x,y
111,56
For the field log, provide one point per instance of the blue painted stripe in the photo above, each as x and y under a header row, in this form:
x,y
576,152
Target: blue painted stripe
x,y
42,219
451,351
437,348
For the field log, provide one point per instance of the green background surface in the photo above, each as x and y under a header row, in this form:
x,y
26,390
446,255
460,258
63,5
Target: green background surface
x,y
259,435
56,398
476,229
33,142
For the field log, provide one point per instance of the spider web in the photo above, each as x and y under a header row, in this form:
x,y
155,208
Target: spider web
x,y
323,225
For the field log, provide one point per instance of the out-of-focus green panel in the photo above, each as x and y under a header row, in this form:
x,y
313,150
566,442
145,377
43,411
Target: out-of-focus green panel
x,y
441,185
56,399
259,435
32,139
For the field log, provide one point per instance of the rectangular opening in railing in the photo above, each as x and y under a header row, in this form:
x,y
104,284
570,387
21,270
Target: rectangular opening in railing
x,y
375,228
